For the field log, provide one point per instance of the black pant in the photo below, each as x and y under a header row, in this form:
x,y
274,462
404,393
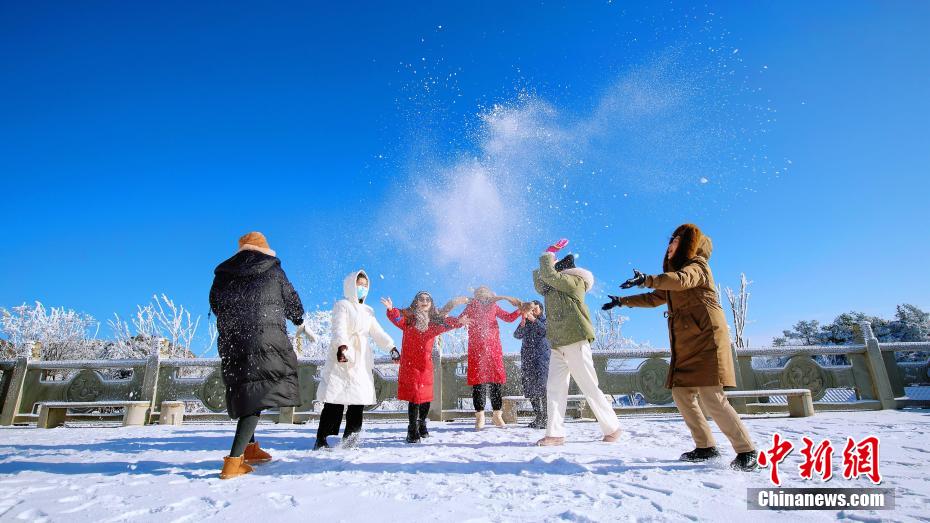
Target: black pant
x,y
539,408
245,433
331,418
478,396
418,413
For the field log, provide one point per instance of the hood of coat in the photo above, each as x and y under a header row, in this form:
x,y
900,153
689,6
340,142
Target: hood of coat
x,y
246,263
705,247
584,274
692,242
348,286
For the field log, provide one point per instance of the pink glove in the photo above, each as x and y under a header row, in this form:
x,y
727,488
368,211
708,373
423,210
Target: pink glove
x,y
557,246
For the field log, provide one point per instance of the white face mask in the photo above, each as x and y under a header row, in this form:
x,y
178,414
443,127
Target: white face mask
x,y
361,292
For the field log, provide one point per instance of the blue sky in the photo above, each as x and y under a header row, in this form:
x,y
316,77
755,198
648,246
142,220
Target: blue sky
x,y
444,146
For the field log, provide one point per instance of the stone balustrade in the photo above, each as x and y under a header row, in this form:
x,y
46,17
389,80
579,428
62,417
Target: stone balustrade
x,y
877,381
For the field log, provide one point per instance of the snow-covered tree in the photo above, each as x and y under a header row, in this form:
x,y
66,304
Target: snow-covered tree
x,y
608,333
320,324
802,333
54,333
159,325
910,324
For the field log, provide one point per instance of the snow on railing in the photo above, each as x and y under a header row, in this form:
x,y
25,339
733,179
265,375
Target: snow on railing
x,y
872,374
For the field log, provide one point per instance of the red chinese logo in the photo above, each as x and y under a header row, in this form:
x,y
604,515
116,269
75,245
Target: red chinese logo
x,y
818,460
772,457
861,459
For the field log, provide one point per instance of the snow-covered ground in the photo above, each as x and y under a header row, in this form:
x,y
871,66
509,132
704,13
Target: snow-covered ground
x,y
170,473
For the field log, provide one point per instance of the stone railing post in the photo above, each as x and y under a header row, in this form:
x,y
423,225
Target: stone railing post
x,y
879,374
738,403
14,392
435,408
286,415
150,381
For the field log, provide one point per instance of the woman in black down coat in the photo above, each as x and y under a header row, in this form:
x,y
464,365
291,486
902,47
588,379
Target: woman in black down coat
x,y
534,361
251,297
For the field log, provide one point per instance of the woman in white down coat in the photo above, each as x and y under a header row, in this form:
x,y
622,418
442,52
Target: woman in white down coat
x,y
346,379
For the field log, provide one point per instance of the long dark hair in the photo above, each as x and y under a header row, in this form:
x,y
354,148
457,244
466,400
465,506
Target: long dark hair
x,y
435,317
689,239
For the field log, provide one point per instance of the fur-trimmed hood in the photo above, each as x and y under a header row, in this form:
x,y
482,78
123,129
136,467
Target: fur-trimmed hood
x,y
692,243
584,274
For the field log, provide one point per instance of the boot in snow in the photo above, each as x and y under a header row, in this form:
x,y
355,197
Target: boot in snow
x,y
421,429
498,419
612,437
535,421
550,441
320,444
745,461
700,454
413,434
539,422
234,467
254,454
351,441
479,420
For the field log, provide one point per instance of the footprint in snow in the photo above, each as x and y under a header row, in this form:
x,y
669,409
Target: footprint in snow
x,y
34,515
281,501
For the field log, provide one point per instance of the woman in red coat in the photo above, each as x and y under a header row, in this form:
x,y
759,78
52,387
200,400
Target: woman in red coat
x,y
421,323
485,354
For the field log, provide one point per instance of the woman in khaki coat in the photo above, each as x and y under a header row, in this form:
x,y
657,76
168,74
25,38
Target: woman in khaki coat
x,y
702,362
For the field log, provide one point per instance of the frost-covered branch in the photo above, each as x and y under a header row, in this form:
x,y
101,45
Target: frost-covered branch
x,y
739,306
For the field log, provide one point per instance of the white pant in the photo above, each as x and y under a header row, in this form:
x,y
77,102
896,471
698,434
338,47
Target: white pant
x,y
575,361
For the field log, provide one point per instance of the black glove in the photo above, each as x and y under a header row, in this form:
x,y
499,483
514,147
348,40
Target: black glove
x,y
638,280
614,302
340,357
395,354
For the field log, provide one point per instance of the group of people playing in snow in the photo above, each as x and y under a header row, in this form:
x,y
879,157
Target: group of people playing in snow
x,y
252,299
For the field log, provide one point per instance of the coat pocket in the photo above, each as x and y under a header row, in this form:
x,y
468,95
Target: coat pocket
x,y
700,318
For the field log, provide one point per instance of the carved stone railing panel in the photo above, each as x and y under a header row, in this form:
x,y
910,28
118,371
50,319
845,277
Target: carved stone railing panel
x,y
88,384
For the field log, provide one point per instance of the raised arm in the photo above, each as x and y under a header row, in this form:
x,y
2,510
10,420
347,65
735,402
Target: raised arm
x,y
450,323
556,280
397,318
692,275
507,316
451,304
645,300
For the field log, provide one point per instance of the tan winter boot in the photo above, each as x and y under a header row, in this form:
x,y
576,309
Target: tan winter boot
x,y
254,454
479,420
233,467
498,419
612,437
